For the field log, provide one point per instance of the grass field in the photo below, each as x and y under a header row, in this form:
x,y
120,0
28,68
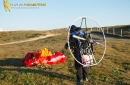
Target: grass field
x,y
113,70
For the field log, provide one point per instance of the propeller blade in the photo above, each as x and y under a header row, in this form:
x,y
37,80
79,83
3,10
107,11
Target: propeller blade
x,y
74,36
100,43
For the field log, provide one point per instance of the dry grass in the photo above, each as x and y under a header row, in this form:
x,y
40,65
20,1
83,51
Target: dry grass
x,y
113,70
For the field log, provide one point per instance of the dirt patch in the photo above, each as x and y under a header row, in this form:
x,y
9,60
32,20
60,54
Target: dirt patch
x,y
31,39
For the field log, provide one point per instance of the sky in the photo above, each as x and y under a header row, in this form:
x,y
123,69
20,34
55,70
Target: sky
x,y
61,14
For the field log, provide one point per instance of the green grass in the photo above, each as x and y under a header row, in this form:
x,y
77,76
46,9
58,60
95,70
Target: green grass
x,y
113,70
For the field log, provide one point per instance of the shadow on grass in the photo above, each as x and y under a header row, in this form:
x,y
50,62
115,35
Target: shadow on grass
x,y
11,62
17,62
126,65
41,72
